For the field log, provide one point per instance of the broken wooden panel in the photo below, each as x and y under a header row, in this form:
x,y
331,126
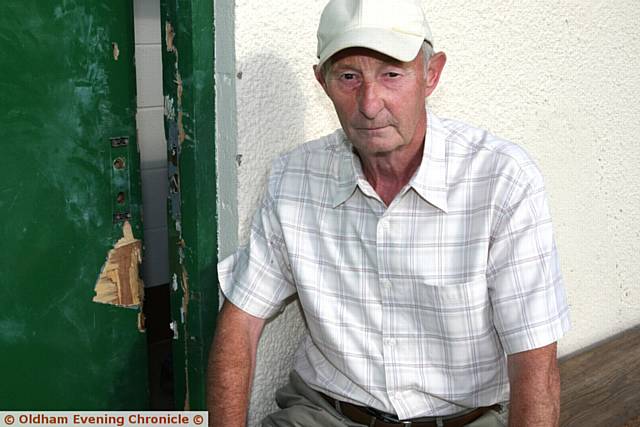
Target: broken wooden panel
x,y
119,282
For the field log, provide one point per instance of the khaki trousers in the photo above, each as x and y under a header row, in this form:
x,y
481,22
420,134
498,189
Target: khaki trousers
x,y
301,406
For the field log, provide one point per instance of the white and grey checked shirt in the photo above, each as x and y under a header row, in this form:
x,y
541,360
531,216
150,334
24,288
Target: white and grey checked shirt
x,y
411,308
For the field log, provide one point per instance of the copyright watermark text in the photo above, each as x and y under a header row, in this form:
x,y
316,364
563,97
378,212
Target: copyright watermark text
x,y
104,419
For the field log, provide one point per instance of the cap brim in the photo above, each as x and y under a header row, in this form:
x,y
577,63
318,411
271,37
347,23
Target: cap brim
x,y
400,46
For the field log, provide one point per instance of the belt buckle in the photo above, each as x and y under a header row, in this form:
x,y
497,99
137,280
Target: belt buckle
x,y
395,420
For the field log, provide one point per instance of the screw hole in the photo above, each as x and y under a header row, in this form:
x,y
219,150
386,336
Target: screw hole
x,y
118,163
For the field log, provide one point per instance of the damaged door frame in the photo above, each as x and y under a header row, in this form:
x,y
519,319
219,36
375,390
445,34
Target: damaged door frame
x,y
189,96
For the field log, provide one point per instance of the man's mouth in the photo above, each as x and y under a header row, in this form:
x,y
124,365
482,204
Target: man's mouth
x,y
372,128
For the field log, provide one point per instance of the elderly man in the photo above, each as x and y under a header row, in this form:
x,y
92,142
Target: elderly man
x,y
420,248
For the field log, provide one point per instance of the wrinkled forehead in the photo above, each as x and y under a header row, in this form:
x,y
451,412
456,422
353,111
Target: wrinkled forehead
x,y
359,57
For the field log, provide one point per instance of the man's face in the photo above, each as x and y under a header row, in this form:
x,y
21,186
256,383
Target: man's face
x,y
380,101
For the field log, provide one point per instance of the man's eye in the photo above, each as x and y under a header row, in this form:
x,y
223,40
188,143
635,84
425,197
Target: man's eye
x,y
393,74
348,76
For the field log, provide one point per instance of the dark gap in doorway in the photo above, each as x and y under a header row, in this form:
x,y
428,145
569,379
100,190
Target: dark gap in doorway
x,y
157,312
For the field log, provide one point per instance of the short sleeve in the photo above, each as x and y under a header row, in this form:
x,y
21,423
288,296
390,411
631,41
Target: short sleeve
x,y
257,277
523,274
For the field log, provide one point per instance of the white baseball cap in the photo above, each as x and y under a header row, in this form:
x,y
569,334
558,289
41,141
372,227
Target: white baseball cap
x,y
395,28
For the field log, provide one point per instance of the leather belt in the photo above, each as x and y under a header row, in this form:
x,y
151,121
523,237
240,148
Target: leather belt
x,y
374,418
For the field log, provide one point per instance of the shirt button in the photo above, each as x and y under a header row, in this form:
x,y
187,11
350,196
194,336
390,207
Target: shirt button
x,y
386,283
390,342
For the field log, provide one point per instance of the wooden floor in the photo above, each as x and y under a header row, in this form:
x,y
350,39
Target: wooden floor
x,y
633,423
601,387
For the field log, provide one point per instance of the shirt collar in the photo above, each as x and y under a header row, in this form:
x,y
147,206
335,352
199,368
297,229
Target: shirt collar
x,y
345,172
429,181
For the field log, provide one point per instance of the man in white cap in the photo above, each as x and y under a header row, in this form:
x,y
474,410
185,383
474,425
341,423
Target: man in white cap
x,y
420,248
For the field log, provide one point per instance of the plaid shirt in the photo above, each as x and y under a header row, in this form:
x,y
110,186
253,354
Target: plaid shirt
x,y
411,308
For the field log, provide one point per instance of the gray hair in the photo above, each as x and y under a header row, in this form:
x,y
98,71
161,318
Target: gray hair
x,y
427,53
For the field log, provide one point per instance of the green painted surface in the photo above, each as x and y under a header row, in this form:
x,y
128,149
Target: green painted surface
x,y
63,95
188,58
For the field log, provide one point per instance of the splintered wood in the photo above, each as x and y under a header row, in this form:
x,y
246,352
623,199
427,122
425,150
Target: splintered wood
x,y
119,282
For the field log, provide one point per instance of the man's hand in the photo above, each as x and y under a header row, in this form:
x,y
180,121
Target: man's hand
x,y
535,388
231,364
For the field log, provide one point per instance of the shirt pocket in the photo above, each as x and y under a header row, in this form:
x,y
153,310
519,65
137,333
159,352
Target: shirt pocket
x,y
456,313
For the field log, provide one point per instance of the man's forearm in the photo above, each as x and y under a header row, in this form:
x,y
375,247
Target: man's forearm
x,y
539,407
535,388
231,366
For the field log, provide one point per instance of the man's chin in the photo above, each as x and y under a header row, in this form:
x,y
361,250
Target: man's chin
x,y
376,147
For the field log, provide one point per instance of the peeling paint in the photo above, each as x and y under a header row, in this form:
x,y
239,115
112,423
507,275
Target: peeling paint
x,y
179,87
142,327
185,309
181,246
116,50
174,328
169,36
119,282
169,108
181,133
174,282
185,292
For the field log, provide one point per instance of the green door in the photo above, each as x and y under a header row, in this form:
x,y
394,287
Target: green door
x,y
70,206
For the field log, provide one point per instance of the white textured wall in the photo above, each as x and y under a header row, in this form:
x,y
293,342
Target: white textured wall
x,y
560,78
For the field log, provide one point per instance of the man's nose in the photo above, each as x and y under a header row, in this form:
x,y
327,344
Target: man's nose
x,y
370,102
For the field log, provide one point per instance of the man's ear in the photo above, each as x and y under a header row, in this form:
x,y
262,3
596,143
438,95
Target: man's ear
x,y
434,70
320,77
